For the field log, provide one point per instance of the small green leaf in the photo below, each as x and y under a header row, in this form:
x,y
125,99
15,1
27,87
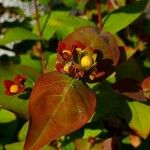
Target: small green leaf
x,y
6,116
81,144
70,3
17,34
23,132
140,120
126,140
91,133
14,146
19,146
69,146
51,62
147,63
124,16
8,126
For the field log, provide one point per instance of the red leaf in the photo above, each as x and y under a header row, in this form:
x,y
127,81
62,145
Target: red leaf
x,y
58,106
146,87
90,37
111,144
135,140
130,88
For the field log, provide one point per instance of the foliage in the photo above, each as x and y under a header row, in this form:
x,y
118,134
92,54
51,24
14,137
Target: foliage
x,y
79,76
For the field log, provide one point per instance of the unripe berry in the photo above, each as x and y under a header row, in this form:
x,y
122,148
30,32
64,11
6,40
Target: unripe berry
x,y
87,61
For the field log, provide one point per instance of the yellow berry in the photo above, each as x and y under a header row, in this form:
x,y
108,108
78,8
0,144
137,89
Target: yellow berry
x,y
14,88
87,61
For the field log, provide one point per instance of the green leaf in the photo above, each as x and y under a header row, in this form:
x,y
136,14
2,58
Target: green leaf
x,y
51,62
62,23
125,70
70,3
108,102
1,147
91,133
66,105
69,146
124,16
8,126
81,144
78,4
16,103
44,2
49,32
82,4
126,140
19,146
140,120
147,63
6,116
84,144
14,146
28,60
23,132
17,34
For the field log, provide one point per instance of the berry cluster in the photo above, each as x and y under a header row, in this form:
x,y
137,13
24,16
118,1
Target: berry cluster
x,y
83,57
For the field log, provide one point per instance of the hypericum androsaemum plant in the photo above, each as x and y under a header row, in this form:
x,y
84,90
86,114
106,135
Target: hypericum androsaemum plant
x,y
94,89
59,103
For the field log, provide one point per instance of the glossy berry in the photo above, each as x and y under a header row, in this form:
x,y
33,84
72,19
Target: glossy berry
x,y
87,61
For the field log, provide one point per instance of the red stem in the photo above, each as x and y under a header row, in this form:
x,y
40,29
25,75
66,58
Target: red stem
x,y
41,51
99,15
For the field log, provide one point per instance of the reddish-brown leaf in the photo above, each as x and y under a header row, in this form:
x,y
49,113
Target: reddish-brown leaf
x,y
111,144
146,87
104,42
130,88
135,140
58,105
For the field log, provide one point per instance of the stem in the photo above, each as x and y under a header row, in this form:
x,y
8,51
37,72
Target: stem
x,y
99,15
37,18
46,20
113,2
41,51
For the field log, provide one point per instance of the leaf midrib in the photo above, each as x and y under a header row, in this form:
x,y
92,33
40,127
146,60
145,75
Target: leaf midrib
x,y
53,114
